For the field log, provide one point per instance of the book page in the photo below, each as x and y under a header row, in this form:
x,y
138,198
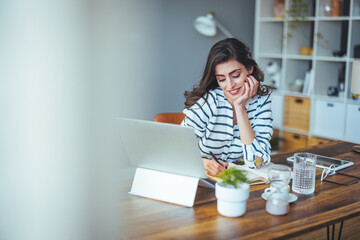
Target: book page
x,y
255,176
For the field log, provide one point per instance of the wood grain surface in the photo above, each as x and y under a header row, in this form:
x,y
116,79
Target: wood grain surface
x,y
151,219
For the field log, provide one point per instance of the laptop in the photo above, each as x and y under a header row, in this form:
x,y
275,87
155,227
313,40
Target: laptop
x,y
163,147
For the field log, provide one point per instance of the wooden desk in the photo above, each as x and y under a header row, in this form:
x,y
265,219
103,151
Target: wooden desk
x,y
330,204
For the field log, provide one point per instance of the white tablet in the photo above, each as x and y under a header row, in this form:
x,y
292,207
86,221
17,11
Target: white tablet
x,y
325,162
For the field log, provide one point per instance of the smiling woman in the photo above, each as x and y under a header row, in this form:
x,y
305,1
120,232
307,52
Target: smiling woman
x,y
230,110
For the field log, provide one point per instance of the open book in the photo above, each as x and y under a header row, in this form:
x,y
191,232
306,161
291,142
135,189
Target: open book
x,y
255,176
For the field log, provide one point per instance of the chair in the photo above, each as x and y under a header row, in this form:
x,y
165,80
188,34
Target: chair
x,y
174,118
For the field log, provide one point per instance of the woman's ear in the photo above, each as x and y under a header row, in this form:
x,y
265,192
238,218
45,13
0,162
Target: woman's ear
x,y
251,70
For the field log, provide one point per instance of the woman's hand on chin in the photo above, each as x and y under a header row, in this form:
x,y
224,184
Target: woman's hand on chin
x,y
248,91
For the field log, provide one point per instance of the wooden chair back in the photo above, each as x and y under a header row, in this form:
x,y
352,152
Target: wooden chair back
x,y
174,118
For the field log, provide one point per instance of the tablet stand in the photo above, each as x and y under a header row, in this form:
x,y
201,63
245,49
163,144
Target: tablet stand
x,y
165,186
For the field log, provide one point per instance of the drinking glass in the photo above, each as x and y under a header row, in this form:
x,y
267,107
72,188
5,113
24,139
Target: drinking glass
x,y
279,172
304,173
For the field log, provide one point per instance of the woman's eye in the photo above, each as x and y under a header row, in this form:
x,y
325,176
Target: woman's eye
x,y
236,76
221,80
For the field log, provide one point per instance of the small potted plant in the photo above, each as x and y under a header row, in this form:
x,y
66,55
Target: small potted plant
x,y
231,192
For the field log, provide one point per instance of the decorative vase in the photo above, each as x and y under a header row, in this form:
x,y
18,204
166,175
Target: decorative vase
x,y
279,8
231,202
335,8
274,71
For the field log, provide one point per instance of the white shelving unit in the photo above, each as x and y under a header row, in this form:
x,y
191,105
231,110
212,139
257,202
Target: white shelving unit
x,y
330,117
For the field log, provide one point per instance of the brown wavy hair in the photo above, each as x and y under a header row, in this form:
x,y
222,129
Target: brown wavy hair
x,y
223,51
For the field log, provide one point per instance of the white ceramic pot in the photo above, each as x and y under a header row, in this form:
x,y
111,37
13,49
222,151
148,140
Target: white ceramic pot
x,y
231,202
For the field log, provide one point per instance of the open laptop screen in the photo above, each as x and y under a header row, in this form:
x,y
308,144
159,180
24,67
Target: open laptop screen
x,y
162,146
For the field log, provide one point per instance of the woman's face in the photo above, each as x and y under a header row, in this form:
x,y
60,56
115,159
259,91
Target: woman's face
x,y
231,76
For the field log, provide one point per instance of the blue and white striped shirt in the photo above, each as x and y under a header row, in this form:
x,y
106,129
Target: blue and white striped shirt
x,y
212,121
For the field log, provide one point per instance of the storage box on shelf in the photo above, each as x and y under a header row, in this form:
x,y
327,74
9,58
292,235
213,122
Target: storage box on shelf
x,y
312,141
328,120
292,141
296,113
327,43
352,119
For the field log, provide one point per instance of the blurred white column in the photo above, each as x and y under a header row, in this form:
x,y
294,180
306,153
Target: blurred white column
x,y
49,180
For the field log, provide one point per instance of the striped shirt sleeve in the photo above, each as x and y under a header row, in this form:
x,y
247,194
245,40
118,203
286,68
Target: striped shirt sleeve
x,y
198,116
262,127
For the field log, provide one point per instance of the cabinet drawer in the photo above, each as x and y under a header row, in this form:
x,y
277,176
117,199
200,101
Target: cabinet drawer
x,y
352,126
296,113
316,141
329,119
293,141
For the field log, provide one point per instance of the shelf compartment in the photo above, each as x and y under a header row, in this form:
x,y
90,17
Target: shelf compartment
x,y
271,34
310,8
295,71
350,95
272,71
325,5
331,37
356,8
328,119
355,38
328,74
301,35
267,8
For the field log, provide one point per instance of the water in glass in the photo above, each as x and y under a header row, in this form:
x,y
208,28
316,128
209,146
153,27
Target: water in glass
x,y
304,173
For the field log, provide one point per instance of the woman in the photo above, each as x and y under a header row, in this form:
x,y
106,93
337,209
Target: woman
x,y
230,110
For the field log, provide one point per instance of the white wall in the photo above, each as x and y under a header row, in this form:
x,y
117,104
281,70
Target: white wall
x,y
150,53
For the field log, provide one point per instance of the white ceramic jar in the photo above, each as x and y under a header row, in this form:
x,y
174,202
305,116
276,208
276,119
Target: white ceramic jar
x,y
231,202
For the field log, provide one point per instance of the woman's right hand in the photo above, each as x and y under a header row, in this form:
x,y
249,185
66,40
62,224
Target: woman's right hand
x,y
248,91
212,168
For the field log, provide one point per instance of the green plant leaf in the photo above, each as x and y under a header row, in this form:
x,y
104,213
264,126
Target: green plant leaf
x,y
233,176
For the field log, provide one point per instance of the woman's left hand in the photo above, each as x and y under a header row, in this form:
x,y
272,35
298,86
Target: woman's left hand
x,y
258,162
248,91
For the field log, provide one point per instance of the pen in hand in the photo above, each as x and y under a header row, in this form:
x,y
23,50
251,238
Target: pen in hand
x,y
215,158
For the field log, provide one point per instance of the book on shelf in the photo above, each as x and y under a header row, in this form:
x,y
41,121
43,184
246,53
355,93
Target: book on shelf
x,y
255,176
307,83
